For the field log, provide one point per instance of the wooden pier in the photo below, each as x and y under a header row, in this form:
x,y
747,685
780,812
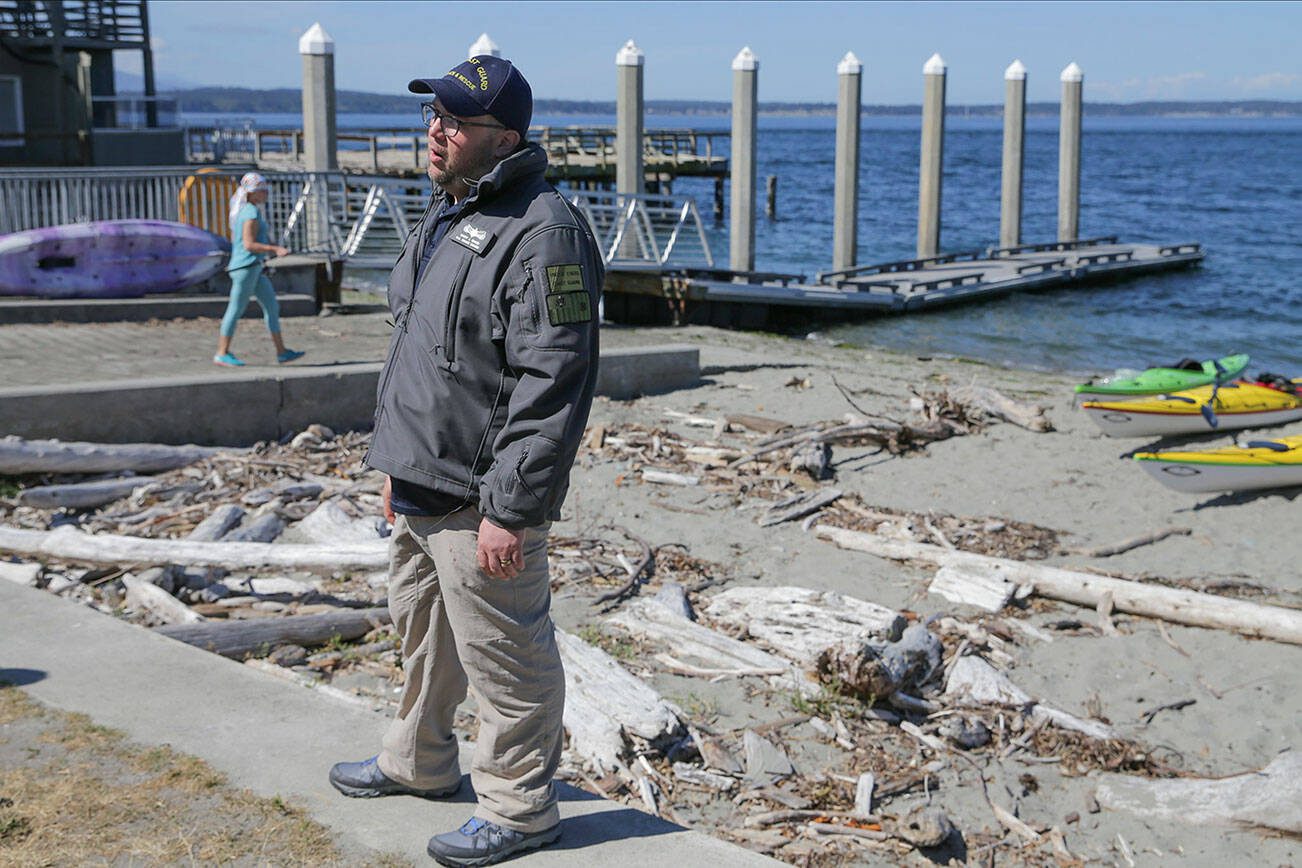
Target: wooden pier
x,y
578,155
636,294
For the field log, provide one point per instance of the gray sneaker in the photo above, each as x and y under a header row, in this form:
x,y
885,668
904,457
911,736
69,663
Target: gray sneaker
x,y
364,780
480,842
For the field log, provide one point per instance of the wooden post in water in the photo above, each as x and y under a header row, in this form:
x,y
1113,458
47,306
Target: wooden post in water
x,y
1010,197
845,208
771,197
745,91
320,145
931,163
483,47
1073,81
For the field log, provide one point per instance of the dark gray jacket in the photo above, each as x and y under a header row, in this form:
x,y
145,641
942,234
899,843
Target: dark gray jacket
x,y
493,359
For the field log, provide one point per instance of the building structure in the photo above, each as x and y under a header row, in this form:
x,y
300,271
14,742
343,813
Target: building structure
x,y
58,100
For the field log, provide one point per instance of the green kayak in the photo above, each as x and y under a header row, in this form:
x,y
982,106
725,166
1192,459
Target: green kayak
x,y
1185,374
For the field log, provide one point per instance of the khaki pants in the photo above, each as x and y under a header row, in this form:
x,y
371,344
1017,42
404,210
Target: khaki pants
x,y
459,626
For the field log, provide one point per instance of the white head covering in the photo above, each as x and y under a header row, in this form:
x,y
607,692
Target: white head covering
x,y
250,183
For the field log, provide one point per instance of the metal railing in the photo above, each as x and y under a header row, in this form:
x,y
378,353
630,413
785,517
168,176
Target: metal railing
x,y
304,210
645,230
101,21
576,149
367,222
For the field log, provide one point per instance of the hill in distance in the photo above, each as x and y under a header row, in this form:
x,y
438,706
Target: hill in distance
x,y
289,100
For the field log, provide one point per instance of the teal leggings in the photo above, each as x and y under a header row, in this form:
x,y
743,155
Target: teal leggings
x,y
247,284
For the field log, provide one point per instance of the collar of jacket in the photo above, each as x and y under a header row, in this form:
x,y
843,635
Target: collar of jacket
x,y
528,162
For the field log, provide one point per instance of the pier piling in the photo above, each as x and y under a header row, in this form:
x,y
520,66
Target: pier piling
x,y
319,133
931,161
483,47
771,197
629,104
845,208
745,90
320,136
1010,198
1073,79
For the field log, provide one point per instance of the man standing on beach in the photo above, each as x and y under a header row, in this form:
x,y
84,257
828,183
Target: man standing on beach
x,y
481,407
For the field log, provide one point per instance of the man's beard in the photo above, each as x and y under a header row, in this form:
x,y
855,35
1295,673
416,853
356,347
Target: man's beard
x,y
468,176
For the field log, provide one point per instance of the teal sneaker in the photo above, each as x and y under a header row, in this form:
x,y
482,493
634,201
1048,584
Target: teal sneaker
x,y
226,360
289,356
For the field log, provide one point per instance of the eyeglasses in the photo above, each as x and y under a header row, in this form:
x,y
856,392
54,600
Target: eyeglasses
x,y
451,123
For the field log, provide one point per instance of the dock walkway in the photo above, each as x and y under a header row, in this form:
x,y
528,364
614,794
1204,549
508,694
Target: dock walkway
x,y
637,294
582,155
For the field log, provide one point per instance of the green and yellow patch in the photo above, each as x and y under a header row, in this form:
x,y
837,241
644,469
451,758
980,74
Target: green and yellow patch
x,y
567,300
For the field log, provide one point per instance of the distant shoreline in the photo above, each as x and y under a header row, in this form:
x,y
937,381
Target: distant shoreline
x,y
282,100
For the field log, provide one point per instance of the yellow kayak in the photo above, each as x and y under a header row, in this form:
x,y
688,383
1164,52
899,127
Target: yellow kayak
x,y
1273,463
1237,405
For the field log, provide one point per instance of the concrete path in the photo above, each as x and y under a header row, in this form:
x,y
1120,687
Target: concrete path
x,y
277,738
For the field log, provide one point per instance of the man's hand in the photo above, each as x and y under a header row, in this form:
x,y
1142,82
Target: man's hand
x,y
501,551
387,498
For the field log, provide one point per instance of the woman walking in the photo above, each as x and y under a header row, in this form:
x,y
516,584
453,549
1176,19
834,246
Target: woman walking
x,y
249,246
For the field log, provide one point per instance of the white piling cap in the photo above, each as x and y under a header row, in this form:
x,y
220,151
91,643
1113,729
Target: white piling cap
x,y
1072,72
630,55
745,61
316,41
849,65
1015,71
484,46
935,65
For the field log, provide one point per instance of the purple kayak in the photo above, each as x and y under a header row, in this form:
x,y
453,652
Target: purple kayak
x,y
108,259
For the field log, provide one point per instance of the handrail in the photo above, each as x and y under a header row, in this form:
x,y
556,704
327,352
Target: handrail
x,y
900,265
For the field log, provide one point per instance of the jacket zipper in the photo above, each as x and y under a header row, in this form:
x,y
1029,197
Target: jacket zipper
x,y
401,322
454,307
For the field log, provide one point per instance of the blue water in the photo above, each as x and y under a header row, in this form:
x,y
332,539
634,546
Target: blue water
x,y
1233,184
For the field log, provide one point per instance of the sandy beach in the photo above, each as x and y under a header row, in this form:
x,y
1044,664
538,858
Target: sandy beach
x,y
1072,480
1069,488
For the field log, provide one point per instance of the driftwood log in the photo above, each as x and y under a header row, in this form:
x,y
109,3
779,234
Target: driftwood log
x,y
1085,589
606,706
80,495
240,639
328,523
1267,799
68,543
800,624
974,681
1000,406
697,650
146,595
218,523
53,456
875,671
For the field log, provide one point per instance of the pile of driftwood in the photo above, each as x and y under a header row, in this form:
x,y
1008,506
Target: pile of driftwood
x,y
274,555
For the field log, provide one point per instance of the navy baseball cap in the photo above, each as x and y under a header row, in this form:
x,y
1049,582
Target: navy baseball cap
x,y
483,86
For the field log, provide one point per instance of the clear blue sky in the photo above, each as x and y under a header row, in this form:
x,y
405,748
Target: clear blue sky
x,y
1129,51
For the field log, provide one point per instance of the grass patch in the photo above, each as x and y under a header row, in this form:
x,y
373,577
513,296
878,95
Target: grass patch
x,y
616,646
88,795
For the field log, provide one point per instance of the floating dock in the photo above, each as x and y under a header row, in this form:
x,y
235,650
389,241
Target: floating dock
x,y
637,294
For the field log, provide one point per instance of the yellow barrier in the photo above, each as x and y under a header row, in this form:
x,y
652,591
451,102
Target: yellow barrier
x,y
204,201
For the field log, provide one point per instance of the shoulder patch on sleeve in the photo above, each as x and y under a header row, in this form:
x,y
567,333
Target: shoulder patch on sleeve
x,y
567,300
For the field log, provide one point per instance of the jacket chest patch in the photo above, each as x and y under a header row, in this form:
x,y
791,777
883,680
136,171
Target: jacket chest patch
x,y
473,238
567,300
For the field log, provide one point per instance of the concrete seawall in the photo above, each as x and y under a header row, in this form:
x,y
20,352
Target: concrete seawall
x,y
236,408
